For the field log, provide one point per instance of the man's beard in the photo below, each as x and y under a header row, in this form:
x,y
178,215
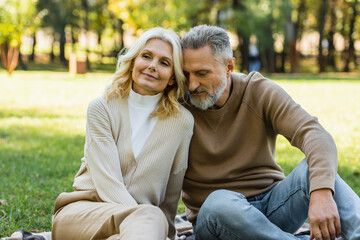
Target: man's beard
x,y
208,101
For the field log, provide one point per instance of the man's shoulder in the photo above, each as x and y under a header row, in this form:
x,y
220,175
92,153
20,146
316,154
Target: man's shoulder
x,y
252,76
238,76
253,80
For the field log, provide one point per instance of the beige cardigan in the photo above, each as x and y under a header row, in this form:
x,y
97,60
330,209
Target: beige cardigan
x,y
109,166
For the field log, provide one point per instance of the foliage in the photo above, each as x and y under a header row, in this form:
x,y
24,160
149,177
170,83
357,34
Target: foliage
x,y
267,20
16,16
143,14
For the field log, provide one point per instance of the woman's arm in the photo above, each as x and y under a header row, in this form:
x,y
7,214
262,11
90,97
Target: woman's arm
x,y
173,190
102,157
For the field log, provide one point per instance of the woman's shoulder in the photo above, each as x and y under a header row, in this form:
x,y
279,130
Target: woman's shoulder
x,y
186,117
102,104
186,114
97,105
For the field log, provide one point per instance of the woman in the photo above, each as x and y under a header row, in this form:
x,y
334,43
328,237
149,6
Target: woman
x,y
136,149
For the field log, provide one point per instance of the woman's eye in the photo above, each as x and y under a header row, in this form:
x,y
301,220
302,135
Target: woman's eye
x,y
166,64
146,56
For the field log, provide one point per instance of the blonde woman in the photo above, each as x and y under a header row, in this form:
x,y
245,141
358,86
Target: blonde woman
x,y
136,149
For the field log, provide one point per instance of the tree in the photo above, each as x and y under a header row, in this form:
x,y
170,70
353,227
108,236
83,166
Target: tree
x,y
144,14
15,17
100,18
349,48
60,14
332,30
260,18
293,32
321,25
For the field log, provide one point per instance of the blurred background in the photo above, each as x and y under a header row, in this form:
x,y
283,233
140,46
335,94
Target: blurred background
x,y
274,36
57,55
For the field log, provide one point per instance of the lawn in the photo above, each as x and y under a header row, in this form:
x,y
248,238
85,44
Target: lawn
x,y
42,127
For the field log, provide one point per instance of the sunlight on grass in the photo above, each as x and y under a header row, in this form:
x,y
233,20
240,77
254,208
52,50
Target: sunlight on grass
x,y
337,106
42,130
50,92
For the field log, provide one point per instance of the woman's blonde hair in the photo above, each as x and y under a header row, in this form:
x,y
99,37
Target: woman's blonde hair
x,y
121,81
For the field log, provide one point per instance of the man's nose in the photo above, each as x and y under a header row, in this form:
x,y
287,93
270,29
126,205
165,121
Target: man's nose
x,y
193,84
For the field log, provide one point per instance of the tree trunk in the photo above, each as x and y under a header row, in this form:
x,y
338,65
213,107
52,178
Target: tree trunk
x,y
52,55
121,31
86,26
32,56
291,43
294,34
9,57
62,45
101,47
349,52
331,49
269,50
244,49
270,58
21,62
322,17
283,58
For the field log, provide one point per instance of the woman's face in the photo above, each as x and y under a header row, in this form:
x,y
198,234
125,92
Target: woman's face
x,y
153,68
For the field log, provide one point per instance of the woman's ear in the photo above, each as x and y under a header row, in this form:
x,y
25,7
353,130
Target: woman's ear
x,y
131,65
172,81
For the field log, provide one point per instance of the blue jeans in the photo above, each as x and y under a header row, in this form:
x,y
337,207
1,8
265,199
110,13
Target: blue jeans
x,y
276,214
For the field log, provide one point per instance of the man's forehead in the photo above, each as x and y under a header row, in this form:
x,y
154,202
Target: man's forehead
x,y
197,59
205,49
197,65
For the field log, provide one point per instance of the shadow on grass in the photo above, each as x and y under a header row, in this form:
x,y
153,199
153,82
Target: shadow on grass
x,y
61,67
289,157
350,176
35,113
330,76
34,170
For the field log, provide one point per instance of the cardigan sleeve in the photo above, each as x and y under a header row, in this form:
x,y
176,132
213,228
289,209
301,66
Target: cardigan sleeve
x,y
102,157
174,186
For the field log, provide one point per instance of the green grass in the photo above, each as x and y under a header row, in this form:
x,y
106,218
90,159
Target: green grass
x,y
42,129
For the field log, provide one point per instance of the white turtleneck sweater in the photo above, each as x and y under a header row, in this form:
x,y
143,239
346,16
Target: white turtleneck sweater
x,y
140,108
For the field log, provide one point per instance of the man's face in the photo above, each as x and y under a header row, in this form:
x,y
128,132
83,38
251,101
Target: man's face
x,y
208,80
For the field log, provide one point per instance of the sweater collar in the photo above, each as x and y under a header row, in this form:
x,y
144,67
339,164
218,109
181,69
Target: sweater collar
x,y
144,101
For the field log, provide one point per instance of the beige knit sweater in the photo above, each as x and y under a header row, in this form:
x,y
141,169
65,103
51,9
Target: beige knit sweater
x,y
109,166
234,147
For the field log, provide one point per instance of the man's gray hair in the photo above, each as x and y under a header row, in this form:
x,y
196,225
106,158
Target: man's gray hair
x,y
216,37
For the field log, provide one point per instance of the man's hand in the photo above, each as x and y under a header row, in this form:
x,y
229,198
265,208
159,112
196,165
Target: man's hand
x,y
323,216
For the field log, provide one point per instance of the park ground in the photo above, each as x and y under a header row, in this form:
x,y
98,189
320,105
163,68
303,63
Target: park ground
x,y
42,130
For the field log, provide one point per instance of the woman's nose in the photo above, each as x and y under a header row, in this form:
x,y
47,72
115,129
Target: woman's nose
x,y
152,66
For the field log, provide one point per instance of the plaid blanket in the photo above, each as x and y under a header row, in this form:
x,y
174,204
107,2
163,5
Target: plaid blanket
x,y
182,225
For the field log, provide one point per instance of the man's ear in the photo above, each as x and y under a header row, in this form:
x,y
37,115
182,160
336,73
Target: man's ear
x,y
230,66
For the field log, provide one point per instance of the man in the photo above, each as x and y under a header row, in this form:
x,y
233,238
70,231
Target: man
x,y
233,188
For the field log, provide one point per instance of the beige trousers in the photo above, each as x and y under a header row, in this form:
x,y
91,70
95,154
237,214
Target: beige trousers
x,y
81,215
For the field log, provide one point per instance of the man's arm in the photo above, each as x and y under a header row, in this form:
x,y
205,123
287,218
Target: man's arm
x,y
323,215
